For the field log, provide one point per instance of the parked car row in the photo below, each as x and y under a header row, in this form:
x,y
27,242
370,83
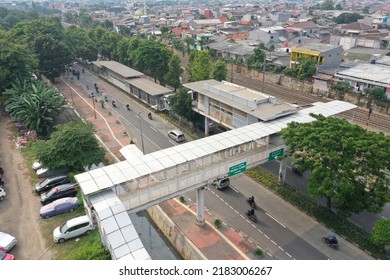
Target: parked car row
x,y
58,196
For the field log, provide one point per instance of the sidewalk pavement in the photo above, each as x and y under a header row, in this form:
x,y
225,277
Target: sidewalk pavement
x,y
224,243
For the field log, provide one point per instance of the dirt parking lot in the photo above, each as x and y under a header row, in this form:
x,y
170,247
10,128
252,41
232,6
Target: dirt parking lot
x,y
19,211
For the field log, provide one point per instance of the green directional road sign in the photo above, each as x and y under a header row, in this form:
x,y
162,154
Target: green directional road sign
x,y
236,169
275,154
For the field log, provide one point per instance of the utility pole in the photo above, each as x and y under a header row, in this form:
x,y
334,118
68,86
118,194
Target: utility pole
x,y
264,62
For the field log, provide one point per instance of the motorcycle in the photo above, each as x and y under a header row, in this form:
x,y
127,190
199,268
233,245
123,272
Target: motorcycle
x,y
330,243
251,216
128,107
150,116
251,204
113,104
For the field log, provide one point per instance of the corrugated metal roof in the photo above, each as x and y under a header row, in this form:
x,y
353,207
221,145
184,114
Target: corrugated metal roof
x,y
148,86
119,68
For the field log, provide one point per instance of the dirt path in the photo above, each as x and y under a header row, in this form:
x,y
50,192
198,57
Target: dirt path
x,y
19,211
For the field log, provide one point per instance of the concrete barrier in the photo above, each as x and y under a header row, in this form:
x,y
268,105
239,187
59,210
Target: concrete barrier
x,y
175,235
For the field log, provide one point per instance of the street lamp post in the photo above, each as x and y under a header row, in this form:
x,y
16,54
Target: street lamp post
x,y
93,101
140,129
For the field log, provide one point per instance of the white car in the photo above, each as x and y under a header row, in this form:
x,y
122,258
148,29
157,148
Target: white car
x,y
2,194
7,242
176,135
73,228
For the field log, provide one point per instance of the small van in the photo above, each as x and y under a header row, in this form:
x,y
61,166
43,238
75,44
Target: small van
x,y
72,228
176,135
222,183
65,190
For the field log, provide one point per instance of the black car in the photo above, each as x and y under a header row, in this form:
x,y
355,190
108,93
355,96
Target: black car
x,y
48,183
65,190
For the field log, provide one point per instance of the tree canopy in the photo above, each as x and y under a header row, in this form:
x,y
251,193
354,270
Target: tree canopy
x,y
219,70
200,66
346,162
257,59
17,61
304,69
347,18
181,104
73,145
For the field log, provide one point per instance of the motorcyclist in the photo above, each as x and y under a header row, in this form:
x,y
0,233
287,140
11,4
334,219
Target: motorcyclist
x,y
251,212
150,115
333,239
128,107
252,199
113,103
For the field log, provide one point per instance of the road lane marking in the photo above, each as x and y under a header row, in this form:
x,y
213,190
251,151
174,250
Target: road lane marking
x,y
236,212
281,248
275,220
266,236
273,242
234,189
231,207
288,255
154,128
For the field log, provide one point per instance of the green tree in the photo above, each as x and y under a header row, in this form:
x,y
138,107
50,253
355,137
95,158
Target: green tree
x,y
338,7
189,42
341,88
181,104
79,44
346,162
72,145
219,71
106,41
45,37
327,5
174,72
366,10
381,232
304,69
16,61
164,29
256,60
34,104
375,94
200,67
347,18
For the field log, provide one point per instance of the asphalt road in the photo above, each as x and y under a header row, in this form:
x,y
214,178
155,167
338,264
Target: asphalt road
x,y
365,219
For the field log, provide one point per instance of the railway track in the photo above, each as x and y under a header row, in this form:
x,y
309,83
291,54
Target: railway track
x,y
360,115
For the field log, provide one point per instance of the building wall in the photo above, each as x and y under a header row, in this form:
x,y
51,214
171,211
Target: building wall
x,y
332,58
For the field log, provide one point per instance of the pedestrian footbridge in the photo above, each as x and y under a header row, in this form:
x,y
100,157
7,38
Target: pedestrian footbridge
x,y
142,181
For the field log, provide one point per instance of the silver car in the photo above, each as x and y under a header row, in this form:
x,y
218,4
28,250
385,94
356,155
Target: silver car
x,y
73,228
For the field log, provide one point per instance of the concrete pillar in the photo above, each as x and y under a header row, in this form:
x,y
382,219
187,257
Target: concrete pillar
x,y
200,220
206,126
282,170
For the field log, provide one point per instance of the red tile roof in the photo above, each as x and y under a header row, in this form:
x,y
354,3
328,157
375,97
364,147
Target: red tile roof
x,y
357,26
305,24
